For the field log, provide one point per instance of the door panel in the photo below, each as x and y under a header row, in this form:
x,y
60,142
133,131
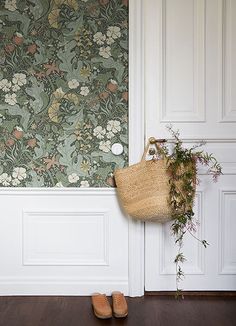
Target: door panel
x,y
192,86
190,68
205,269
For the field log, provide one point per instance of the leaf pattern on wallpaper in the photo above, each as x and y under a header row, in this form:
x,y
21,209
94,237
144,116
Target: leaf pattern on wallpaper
x,y
63,92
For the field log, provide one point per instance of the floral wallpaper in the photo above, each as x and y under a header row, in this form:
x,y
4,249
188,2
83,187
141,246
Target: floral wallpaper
x,y
63,92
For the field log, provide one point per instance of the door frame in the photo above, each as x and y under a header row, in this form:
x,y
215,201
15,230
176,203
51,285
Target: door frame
x,y
136,138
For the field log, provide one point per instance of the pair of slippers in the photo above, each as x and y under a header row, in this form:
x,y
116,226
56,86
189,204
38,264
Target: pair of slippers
x,y
102,308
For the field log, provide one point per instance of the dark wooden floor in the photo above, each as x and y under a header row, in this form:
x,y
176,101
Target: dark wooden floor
x,y
145,311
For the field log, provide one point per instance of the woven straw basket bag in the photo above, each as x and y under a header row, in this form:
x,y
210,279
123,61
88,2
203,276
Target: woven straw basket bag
x,y
143,188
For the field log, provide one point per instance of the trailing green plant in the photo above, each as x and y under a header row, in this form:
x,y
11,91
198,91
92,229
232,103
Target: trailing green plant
x,y
182,169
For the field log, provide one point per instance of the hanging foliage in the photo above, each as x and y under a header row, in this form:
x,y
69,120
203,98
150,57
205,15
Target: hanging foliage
x,y
182,166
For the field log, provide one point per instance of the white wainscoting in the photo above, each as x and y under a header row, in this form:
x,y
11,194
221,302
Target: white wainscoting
x,y
62,242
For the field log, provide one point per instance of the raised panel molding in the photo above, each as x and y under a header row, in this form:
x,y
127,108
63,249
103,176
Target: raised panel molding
x,y
186,104
195,267
65,238
227,231
227,62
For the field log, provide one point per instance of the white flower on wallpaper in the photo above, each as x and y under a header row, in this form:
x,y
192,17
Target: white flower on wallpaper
x,y
84,90
5,179
99,38
15,182
110,40
11,99
105,146
73,178
5,85
15,88
113,32
99,132
19,173
10,5
105,52
73,84
84,184
19,79
109,134
114,126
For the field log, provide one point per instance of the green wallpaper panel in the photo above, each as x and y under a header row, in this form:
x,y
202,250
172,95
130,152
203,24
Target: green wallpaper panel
x,y
63,91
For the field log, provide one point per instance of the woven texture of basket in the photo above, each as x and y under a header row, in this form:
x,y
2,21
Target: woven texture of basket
x,y
143,189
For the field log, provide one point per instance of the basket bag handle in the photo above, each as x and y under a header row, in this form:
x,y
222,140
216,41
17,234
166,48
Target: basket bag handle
x,y
152,141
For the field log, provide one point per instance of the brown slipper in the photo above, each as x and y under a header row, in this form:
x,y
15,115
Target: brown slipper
x,y
119,305
101,306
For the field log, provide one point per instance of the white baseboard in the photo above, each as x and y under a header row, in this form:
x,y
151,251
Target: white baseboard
x,y
52,286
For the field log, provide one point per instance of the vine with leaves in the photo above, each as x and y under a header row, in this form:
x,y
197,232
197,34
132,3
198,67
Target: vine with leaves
x,y
182,170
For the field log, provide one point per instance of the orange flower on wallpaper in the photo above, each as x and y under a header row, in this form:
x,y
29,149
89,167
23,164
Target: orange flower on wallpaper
x,y
32,48
51,68
51,162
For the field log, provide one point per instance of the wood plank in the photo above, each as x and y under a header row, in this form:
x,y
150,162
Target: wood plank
x,y
143,311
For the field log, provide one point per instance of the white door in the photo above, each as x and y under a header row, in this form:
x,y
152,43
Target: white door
x,y
190,81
